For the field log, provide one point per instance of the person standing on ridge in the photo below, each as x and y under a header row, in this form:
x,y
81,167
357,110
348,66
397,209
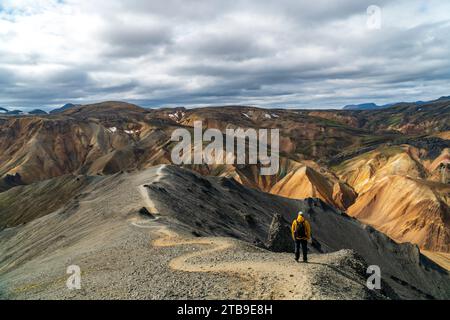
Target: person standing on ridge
x,y
301,234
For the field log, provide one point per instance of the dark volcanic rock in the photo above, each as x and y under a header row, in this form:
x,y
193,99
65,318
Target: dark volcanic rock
x,y
145,213
279,238
10,181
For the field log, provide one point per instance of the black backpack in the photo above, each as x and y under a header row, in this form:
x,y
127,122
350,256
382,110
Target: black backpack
x,y
300,230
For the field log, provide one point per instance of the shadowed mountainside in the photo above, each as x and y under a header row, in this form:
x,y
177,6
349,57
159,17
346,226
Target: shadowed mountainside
x,y
340,157
99,220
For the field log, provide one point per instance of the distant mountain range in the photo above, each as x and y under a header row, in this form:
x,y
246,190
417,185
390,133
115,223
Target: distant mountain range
x,y
366,106
91,169
17,112
63,108
5,111
12,112
373,106
362,106
37,112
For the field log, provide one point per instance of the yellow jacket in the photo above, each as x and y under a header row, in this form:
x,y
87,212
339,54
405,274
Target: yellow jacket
x,y
300,219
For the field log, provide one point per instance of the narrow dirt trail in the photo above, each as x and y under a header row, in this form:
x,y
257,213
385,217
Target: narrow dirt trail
x,y
144,194
262,278
266,280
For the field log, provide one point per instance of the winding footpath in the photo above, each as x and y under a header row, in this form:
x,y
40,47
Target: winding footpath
x,y
267,276
267,279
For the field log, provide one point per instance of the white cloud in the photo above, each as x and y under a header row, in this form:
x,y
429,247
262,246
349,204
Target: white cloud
x,y
292,52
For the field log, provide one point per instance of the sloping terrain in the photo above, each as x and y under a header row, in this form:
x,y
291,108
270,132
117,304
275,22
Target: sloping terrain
x,y
399,195
441,258
95,139
40,199
405,118
408,210
182,246
340,157
360,172
305,182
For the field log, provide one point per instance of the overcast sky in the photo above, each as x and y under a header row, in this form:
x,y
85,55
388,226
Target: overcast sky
x,y
296,53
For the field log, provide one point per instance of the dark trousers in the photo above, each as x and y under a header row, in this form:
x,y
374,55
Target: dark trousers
x,y
304,245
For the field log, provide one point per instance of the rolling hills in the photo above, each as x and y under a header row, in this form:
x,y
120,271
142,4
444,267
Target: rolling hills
x,y
196,235
386,168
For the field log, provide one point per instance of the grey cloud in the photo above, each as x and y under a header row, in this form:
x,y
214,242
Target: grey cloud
x,y
134,40
201,10
225,46
68,83
6,77
290,53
